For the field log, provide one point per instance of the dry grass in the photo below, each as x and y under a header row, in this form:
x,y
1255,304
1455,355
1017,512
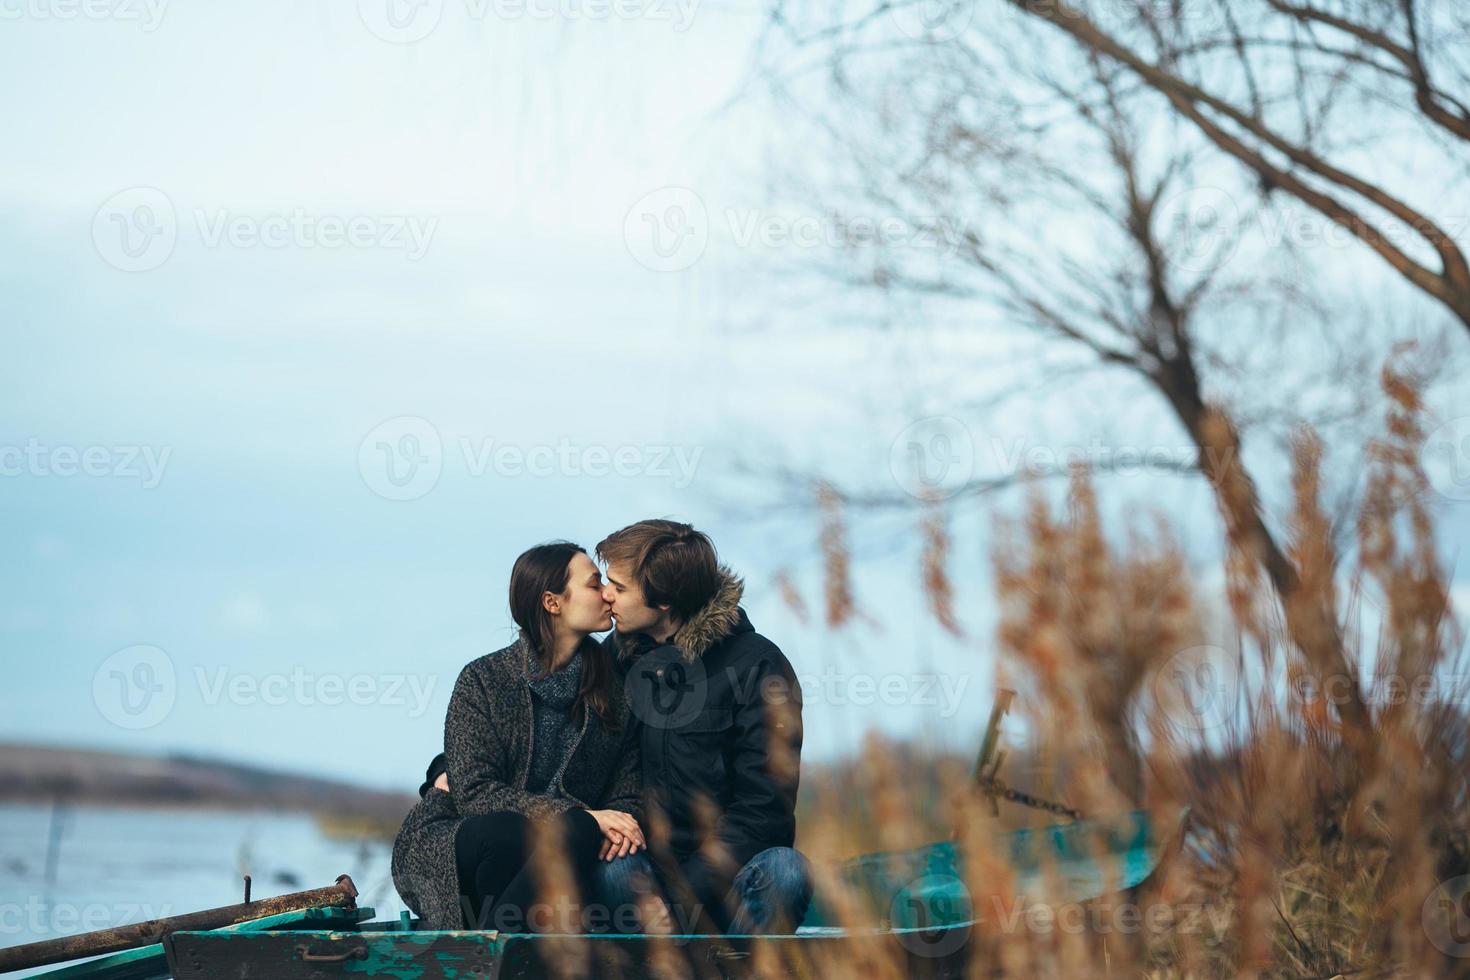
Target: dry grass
x,y
1320,837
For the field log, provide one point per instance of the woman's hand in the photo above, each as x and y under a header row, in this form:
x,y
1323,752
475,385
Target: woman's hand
x,y
621,834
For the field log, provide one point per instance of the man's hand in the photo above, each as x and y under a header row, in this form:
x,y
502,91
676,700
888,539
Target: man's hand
x,y
621,834
442,782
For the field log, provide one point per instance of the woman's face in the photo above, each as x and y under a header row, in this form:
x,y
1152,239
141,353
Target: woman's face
x,y
582,606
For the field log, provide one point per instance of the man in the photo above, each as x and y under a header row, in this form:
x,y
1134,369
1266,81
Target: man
x,y
719,713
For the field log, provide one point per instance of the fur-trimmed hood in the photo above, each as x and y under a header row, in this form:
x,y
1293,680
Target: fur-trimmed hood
x,y
710,624
713,621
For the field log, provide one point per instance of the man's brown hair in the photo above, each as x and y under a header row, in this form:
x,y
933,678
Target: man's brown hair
x,y
672,563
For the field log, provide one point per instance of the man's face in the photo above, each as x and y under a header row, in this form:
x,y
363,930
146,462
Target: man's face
x,y
630,612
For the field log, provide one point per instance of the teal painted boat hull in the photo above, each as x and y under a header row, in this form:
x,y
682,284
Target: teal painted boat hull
x,y
925,888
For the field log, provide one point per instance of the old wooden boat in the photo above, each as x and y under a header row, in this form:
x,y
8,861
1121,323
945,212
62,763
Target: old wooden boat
x,y
915,898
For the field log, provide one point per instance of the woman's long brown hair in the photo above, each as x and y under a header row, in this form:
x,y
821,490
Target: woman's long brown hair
x,y
547,568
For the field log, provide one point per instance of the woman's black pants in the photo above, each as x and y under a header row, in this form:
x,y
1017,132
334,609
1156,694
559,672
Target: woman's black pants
x,y
500,869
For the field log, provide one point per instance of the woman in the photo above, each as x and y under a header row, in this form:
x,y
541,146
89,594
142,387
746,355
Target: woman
x,y
537,739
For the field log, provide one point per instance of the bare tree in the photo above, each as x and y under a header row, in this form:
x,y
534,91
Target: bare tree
x,y
1277,72
1065,194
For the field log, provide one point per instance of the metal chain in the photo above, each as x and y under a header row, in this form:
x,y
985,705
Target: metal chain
x,y
995,787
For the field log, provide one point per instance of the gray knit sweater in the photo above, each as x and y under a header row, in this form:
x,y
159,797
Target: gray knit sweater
x,y
488,737
555,732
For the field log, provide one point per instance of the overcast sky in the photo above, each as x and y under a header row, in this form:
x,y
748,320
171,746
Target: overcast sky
x,y
315,317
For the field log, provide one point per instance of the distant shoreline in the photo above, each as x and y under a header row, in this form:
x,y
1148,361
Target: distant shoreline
x,y
40,775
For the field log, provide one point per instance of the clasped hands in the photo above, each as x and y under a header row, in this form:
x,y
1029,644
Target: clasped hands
x,y
621,834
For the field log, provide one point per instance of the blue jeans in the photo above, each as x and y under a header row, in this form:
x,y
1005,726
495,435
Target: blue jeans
x,y
773,889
